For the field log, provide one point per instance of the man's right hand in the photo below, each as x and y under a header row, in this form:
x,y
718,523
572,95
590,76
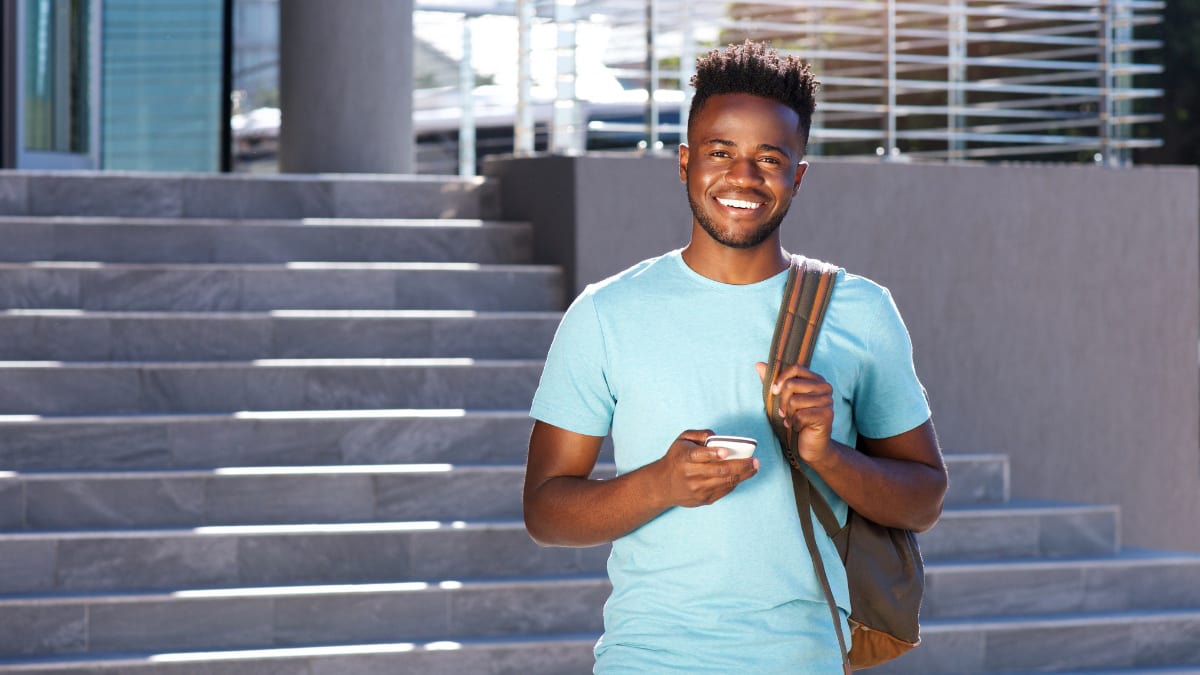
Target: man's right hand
x,y
696,475
565,507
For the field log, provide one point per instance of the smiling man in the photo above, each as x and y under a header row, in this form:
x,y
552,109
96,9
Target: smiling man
x,y
709,568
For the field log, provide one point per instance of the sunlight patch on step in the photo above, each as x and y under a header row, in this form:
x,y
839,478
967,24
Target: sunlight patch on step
x,y
327,470
295,652
31,364
382,413
66,264
16,419
328,589
322,528
43,312
331,589
374,313
415,266
405,222
321,363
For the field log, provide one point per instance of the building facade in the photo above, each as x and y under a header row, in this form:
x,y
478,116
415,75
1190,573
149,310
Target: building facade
x,y
114,84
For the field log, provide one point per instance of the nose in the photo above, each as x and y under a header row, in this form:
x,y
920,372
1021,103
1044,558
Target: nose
x,y
744,172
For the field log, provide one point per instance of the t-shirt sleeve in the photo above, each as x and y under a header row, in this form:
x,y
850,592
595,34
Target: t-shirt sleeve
x,y
891,399
573,393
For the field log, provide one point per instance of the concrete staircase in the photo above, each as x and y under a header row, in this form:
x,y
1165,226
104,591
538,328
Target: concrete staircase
x,y
259,426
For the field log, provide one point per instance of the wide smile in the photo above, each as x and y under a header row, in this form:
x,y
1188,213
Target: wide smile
x,y
739,205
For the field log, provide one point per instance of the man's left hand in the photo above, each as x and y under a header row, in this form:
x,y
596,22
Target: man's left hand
x,y
805,402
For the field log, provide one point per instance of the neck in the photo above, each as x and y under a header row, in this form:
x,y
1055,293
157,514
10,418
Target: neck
x,y
738,266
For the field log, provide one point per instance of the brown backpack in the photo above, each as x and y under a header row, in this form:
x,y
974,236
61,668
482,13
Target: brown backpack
x,y
883,565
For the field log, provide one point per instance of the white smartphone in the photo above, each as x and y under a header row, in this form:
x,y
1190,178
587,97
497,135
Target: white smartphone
x,y
739,447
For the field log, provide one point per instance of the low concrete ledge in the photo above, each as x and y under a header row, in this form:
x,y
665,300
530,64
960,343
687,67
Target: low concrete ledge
x,y
1054,309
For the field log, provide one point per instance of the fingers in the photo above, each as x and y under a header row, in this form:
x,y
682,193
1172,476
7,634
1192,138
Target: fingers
x,y
700,475
794,375
691,443
712,481
804,399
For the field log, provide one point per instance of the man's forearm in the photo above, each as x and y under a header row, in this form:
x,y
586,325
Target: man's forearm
x,y
898,481
573,511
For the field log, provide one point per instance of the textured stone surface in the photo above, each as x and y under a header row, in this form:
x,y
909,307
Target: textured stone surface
x,y
273,197
23,240
53,444
977,479
43,629
14,193
1028,532
363,617
211,388
262,288
201,624
72,504
103,193
226,440
142,561
329,558
39,287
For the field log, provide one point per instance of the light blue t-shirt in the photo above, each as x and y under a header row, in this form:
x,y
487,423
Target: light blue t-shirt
x,y
658,349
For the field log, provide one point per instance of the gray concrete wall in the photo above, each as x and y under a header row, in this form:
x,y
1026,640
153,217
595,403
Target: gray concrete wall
x,y
345,86
1054,310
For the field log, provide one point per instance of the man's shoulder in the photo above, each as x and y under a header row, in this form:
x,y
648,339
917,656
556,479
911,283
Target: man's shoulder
x,y
633,278
857,284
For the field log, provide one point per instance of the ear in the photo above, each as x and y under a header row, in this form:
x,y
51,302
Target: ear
x,y
683,162
800,169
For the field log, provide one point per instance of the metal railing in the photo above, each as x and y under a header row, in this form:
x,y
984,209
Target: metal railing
x,y
932,79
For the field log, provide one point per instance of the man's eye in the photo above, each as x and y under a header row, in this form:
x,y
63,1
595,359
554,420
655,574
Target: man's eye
x,y
718,153
770,160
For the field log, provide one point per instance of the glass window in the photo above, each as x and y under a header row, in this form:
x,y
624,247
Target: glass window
x,y
57,47
163,85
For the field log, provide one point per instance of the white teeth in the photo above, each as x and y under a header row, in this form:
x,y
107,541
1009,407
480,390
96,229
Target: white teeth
x,y
739,204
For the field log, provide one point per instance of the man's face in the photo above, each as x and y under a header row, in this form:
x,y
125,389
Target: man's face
x,y
742,166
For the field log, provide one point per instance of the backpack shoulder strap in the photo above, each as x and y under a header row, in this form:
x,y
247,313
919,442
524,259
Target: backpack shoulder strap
x,y
801,312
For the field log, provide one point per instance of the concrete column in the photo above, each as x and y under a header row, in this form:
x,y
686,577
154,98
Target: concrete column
x,y
345,85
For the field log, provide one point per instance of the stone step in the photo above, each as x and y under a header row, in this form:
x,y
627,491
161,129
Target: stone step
x,y
1023,529
70,335
164,195
295,616
275,555
557,654
63,500
415,611
53,388
192,240
1137,641
977,478
269,438
1135,670
1130,580
232,555
236,496
262,287
1126,642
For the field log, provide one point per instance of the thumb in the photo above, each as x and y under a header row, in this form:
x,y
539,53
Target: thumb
x,y
762,370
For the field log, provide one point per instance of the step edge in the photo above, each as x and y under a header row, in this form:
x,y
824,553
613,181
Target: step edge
x,y
384,588
334,650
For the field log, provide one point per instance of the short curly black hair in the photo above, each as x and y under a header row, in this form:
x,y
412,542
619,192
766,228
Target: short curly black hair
x,y
754,68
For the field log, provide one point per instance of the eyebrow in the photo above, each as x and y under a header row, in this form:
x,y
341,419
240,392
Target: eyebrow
x,y
761,146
